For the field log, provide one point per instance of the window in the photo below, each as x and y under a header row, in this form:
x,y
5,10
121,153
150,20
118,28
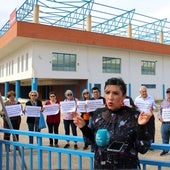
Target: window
x,y
22,63
63,62
2,70
111,65
148,67
26,62
7,69
12,67
18,64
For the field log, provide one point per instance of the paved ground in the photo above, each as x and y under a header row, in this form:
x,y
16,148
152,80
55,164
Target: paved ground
x,y
149,155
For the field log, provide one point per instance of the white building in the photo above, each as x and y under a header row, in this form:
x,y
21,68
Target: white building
x,y
46,58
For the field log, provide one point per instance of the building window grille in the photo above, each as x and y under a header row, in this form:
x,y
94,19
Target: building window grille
x,y
148,68
111,65
64,62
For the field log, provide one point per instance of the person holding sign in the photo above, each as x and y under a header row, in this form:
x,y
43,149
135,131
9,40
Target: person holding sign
x,y
85,115
145,102
118,132
33,110
14,111
128,101
53,118
164,118
68,116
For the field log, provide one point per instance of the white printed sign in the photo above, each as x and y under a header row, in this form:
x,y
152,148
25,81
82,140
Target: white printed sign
x,y
32,111
126,102
51,109
89,105
92,105
81,106
67,106
166,115
14,110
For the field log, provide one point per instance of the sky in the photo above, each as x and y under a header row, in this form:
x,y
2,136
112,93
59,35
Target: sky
x,y
153,8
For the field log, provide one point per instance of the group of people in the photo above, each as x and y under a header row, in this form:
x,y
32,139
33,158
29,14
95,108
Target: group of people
x,y
117,132
52,121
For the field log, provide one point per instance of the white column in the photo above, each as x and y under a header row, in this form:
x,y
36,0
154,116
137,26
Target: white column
x,y
88,23
161,37
36,14
130,30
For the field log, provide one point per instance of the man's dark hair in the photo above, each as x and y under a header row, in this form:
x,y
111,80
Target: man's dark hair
x,y
95,88
118,82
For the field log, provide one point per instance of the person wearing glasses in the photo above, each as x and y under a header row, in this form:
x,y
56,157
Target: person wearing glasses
x,y
33,122
68,119
85,115
53,121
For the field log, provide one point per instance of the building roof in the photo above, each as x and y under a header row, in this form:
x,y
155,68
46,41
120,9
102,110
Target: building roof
x,y
24,32
105,19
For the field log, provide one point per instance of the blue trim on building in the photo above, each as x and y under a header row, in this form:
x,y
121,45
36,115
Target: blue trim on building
x,y
6,88
17,88
34,84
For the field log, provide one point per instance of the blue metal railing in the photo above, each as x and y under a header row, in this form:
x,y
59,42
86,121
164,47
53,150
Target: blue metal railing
x,y
38,156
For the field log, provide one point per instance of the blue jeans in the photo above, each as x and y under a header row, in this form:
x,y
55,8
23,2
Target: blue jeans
x,y
33,126
165,132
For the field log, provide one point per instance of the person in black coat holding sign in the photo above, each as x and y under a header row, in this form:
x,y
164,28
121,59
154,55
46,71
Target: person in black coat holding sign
x,y
33,122
15,120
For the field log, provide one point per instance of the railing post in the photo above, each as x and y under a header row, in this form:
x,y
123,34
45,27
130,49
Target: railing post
x,y
39,141
0,154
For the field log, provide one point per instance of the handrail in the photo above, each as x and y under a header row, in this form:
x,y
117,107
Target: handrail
x,y
45,154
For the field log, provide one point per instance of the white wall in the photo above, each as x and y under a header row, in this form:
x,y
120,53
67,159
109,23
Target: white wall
x,y
89,65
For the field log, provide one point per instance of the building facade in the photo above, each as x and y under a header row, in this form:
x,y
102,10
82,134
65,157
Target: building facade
x,y
53,58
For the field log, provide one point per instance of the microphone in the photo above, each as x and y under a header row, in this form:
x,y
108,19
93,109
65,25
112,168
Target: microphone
x,y
102,137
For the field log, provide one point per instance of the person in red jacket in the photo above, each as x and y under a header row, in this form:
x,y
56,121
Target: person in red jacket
x,y
53,121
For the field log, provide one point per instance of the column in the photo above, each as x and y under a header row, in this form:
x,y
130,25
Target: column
x,y
129,89
36,14
161,37
130,30
34,84
163,91
88,23
6,88
17,88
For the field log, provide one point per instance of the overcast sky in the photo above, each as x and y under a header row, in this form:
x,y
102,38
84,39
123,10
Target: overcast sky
x,y
153,8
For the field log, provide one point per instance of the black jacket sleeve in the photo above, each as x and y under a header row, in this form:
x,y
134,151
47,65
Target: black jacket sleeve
x,y
143,139
88,133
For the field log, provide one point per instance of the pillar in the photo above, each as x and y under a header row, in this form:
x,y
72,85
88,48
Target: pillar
x,y
36,14
129,90
163,91
130,30
88,23
161,37
6,88
17,88
34,84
